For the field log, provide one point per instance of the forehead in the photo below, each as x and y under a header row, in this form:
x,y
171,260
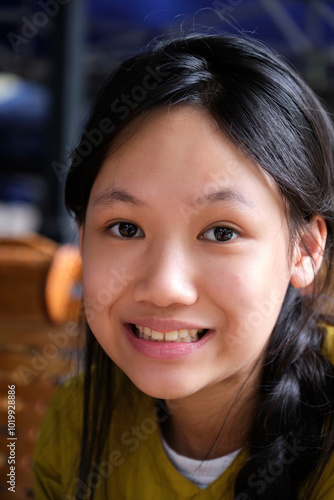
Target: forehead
x,y
179,153
183,136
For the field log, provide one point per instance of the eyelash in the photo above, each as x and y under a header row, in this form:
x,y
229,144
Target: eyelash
x,y
115,224
226,229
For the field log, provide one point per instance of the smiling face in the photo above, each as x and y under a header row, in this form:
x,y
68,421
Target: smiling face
x,y
183,234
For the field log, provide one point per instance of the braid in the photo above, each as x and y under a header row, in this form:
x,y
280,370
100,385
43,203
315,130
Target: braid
x,y
297,396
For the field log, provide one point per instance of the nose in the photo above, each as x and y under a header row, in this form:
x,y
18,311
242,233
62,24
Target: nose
x,y
166,278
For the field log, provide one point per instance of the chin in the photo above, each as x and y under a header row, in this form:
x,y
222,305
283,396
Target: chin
x,y
163,390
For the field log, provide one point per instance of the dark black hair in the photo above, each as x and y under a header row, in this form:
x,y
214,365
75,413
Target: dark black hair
x,y
273,116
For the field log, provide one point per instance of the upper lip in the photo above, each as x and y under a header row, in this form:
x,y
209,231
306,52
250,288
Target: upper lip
x,y
166,325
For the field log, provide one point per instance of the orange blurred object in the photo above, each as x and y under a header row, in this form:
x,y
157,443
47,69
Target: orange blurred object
x,y
39,339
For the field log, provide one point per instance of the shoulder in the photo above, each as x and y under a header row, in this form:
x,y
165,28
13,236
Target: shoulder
x,y
324,489
66,404
57,448
62,425
328,343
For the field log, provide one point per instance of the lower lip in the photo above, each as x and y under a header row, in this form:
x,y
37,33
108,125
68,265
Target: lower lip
x,y
165,350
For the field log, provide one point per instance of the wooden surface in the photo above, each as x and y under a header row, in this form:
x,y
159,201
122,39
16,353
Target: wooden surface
x,y
38,343
35,357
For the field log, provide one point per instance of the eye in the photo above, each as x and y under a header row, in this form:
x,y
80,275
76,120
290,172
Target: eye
x,y
126,230
220,234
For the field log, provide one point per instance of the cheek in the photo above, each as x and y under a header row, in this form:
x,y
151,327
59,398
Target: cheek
x,y
249,296
105,280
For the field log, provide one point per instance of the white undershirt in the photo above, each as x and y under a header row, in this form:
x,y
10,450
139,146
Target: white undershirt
x,y
202,473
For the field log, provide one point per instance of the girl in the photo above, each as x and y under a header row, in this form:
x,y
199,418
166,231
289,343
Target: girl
x,y
203,191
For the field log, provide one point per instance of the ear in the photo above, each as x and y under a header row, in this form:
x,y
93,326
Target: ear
x,y
81,231
308,254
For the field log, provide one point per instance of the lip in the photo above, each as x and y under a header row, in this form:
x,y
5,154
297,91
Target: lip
x,y
165,350
166,325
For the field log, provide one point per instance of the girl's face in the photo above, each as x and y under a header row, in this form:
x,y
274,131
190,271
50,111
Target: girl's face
x,y
183,234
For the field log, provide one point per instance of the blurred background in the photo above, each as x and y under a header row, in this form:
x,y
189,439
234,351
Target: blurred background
x,y
54,55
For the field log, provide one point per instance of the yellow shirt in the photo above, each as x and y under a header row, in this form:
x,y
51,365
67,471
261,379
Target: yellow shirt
x,y
137,467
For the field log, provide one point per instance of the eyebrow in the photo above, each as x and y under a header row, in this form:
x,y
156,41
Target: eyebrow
x,y
226,194
110,196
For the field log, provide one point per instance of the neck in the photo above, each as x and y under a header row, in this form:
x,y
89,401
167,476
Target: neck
x,y
213,422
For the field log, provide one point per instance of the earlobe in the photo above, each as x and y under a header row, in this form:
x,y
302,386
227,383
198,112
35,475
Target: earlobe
x,y
308,254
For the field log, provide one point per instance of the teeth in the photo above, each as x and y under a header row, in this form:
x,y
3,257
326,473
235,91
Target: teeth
x,y
193,334
171,336
182,335
147,331
157,335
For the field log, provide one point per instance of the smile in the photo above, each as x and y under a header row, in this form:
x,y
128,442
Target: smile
x,y
183,335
